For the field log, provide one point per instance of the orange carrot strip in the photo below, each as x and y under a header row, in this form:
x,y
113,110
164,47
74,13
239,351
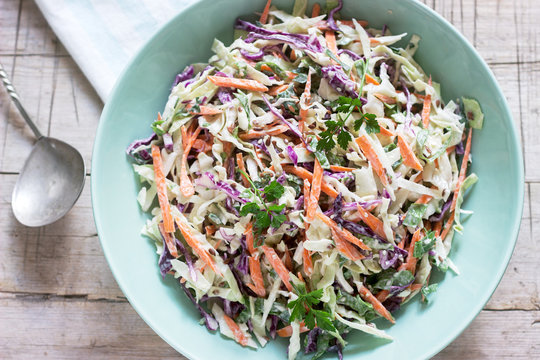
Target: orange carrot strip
x,y
438,227
278,266
245,84
385,98
186,187
205,110
409,158
241,166
287,330
168,241
450,149
372,157
461,178
316,10
330,37
345,247
315,191
256,276
344,233
382,295
201,145
196,246
371,80
307,187
308,262
337,168
210,230
427,109
415,287
372,221
424,199
161,186
377,305
255,134
384,131
249,238
238,334
305,174
410,264
265,67
307,98
277,89
264,15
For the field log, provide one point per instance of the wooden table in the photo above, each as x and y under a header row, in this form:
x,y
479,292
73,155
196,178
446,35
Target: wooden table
x,y
58,298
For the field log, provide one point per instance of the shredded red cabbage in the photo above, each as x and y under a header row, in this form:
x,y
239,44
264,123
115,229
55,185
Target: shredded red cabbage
x,y
168,142
292,155
184,75
138,150
331,22
209,320
340,82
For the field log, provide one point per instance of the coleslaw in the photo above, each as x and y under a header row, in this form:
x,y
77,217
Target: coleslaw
x,y
306,180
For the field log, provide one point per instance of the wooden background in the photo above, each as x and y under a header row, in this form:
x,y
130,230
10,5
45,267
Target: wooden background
x,y
58,298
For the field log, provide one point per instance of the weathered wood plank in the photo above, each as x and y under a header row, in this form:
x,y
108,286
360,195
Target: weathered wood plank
x,y
9,18
37,327
64,258
113,330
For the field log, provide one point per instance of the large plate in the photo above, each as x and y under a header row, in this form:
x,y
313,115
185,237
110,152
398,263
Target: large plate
x,y
421,331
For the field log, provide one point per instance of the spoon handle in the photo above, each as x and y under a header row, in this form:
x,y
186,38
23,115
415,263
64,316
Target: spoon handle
x,y
15,97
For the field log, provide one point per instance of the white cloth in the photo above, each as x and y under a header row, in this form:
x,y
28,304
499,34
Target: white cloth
x,y
103,35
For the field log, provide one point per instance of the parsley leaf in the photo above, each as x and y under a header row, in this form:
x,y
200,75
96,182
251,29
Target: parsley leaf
x,y
273,191
302,309
426,290
372,126
423,246
156,126
414,215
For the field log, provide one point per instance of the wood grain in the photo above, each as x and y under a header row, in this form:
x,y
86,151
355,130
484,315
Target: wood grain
x,y
58,298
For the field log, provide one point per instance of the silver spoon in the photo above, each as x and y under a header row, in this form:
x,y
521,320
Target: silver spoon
x,y
51,179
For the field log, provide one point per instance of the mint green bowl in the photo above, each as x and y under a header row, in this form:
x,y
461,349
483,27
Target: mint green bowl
x,y
421,331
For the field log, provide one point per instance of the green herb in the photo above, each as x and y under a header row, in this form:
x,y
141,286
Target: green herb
x,y
269,215
320,155
414,215
361,69
356,303
302,309
372,126
156,126
426,290
275,68
300,78
389,278
244,101
345,67
296,183
423,246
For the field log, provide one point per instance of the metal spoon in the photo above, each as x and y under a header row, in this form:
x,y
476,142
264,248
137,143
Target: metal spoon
x,y
51,179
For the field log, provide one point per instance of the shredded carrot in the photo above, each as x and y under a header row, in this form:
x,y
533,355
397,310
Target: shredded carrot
x,y
300,277
424,199
265,67
427,109
344,233
337,168
210,230
204,110
461,178
345,247
371,155
438,227
316,10
377,305
315,191
161,186
264,15
330,37
287,330
201,145
371,80
305,174
256,276
410,264
168,241
255,134
307,99
385,132
245,84
385,98
450,149
415,287
277,89
409,158
278,265
242,166
186,187
238,334
216,245
291,75
204,255
374,223
249,238
308,262
382,295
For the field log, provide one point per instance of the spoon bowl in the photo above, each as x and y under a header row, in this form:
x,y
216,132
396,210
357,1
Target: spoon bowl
x,y
49,184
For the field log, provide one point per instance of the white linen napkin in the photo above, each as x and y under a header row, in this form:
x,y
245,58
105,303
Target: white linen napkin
x,y
103,35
